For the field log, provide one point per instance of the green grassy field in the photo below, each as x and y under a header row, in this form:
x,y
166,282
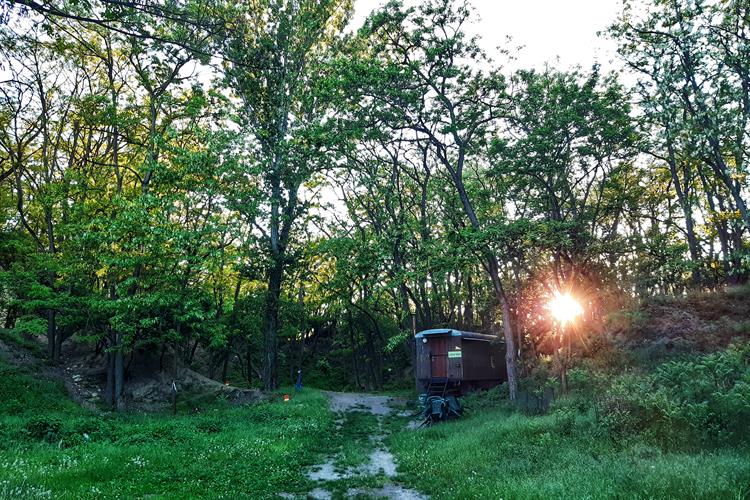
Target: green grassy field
x,y
498,454
51,448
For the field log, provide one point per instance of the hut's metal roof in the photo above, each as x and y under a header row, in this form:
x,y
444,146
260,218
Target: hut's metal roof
x,y
456,333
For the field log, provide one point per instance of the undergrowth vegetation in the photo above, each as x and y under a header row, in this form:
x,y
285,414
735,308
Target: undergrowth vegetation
x,y
51,448
693,403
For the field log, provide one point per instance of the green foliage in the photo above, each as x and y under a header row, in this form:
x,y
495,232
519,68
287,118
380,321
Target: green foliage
x,y
704,401
499,453
30,325
44,429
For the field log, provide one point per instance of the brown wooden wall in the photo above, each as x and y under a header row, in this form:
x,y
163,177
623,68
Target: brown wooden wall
x,y
479,360
424,364
483,360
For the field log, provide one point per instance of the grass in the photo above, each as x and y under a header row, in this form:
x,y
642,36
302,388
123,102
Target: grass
x,y
498,453
50,447
15,338
359,433
355,448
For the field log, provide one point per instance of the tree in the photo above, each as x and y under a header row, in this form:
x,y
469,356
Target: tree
x,y
693,65
274,47
569,141
452,106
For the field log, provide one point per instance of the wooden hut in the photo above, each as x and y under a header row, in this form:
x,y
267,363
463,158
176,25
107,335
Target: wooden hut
x,y
454,362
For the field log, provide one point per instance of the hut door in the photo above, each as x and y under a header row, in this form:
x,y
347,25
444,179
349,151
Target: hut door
x,y
439,356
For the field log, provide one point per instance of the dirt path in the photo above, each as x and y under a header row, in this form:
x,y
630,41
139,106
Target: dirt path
x,y
377,467
354,401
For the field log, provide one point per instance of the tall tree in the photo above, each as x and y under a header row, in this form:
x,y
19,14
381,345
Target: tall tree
x,y
452,105
274,47
693,66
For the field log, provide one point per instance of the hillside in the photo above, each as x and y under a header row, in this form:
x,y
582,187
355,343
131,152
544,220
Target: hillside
x,y
699,322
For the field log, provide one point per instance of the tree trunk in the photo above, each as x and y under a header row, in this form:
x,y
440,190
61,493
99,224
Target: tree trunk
x,y
51,330
683,197
510,349
353,344
270,332
469,306
192,351
493,269
10,317
119,375
109,388
225,367
719,224
59,338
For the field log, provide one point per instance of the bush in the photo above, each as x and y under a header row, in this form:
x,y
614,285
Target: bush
x,y
483,400
699,402
210,426
46,429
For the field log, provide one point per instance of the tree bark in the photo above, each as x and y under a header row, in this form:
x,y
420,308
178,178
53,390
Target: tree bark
x,y
687,211
51,330
119,375
109,388
270,331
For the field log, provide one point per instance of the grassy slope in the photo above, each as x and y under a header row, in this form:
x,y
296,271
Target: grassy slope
x,y
252,451
496,454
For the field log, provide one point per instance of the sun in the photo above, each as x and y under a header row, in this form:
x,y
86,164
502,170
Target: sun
x,y
564,307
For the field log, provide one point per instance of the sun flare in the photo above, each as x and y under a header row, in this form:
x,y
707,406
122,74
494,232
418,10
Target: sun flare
x,y
564,307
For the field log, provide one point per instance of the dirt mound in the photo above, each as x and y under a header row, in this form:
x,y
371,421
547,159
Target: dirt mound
x,y
155,392
16,355
697,322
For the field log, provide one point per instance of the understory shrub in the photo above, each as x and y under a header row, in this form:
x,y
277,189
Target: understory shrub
x,y
704,401
43,428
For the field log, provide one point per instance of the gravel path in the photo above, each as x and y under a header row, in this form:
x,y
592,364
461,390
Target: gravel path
x,y
380,460
354,401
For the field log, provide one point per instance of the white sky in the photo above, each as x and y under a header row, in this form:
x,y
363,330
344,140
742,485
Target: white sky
x,y
547,29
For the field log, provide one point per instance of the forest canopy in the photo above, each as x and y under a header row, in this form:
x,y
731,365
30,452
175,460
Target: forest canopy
x,y
258,186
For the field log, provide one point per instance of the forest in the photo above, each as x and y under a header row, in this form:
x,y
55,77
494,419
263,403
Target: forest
x,y
257,192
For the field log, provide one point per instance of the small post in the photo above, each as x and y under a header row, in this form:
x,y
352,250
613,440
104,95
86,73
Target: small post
x,y
174,398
